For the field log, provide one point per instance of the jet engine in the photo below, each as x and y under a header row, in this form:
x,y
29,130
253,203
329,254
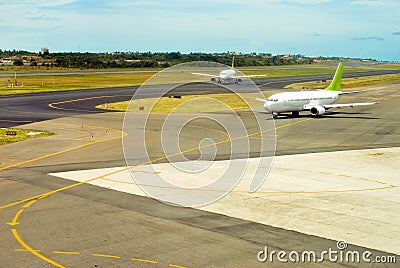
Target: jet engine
x,y
213,79
239,79
317,110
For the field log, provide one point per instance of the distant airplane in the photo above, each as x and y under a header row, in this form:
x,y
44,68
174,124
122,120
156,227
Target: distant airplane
x,y
228,75
317,102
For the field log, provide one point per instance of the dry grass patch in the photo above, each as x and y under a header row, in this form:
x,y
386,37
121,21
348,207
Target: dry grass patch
x,y
188,104
11,135
350,82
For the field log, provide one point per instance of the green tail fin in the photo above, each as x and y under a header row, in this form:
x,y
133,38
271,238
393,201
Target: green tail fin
x,y
335,84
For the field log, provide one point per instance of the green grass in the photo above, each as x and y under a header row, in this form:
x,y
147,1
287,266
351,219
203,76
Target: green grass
x,y
22,134
33,84
280,71
44,69
350,82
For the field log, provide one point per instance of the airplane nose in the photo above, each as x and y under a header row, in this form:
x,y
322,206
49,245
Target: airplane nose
x,y
267,106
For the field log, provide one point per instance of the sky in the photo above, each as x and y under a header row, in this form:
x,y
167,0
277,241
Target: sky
x,y
343,28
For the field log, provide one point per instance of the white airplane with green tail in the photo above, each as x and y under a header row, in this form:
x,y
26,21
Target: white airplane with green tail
x,y
317,102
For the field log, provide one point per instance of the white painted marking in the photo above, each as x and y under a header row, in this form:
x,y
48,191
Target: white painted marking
x,y
337,203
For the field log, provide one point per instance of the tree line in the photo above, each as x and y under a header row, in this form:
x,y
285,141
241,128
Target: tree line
x,y
149,59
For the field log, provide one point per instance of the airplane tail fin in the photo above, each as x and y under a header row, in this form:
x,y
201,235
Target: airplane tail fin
x,y
335,84
233,62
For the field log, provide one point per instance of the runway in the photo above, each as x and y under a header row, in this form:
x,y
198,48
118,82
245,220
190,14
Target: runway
x,y
89,226
27,108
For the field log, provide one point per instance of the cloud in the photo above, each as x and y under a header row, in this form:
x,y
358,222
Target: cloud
x,y
308,2
43,18
16,29
82,6
377,3
309,26
377,38
37,4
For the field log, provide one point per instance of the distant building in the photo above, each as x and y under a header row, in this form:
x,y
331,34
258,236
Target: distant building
x,y
7,61
44,50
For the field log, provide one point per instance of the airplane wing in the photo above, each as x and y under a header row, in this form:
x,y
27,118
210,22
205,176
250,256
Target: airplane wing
x,y
330,106
253,75
348,105
209,75
347,92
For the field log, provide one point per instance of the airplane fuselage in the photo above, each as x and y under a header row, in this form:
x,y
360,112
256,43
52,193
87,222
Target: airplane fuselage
x,y
227,75
296,101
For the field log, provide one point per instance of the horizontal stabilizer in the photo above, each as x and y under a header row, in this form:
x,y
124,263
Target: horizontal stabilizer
x,y
352,92
209,75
